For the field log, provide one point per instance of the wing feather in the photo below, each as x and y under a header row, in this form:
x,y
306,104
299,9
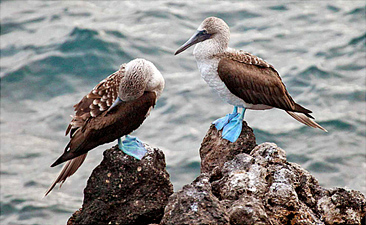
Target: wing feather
x,y
93,124
97,101
255,81
108,126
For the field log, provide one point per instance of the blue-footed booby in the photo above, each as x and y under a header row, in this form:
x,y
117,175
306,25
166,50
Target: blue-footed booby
x,y
240,78
114,108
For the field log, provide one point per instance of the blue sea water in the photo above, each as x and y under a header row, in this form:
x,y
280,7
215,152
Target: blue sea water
x,y
54,52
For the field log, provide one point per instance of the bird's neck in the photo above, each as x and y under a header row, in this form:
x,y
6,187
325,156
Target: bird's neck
x,y
208,49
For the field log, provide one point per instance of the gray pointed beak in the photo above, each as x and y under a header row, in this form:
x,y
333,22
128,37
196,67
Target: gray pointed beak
x,y
197,37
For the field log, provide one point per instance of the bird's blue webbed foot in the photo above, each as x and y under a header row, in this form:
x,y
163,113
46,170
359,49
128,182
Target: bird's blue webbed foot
x,y
223,121
132,146
232,130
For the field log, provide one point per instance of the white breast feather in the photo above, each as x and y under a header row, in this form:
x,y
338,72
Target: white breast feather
x,y
208,70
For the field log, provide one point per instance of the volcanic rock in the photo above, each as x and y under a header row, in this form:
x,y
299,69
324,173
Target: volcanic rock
x,y
124,190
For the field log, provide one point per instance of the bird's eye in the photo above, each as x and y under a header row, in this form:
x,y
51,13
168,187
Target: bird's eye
x,y
204,32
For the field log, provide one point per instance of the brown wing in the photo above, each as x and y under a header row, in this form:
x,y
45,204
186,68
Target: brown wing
x,y
97,101
108,126
255,81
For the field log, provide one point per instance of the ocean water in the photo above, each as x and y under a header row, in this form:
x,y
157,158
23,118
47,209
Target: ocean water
x,y
54,52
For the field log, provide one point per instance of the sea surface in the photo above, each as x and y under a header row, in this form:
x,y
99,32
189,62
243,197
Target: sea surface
x,y
55,52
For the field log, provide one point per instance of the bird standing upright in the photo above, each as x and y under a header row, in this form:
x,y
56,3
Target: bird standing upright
x,y
114,108
240,78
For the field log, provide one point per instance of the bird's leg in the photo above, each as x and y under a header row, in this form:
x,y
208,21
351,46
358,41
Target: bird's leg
x,y
223,121
132,146
232,130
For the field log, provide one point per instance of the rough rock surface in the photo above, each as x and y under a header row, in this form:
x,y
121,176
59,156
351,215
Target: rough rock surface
x,y
242,185
123,190
203,207
215,151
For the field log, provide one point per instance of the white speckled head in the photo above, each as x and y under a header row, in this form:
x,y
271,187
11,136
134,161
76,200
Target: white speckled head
x,y
140,76
137,66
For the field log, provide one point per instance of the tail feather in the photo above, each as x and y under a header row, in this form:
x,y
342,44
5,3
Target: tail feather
x,y
303,118
74,148
301,109
67,170
64,157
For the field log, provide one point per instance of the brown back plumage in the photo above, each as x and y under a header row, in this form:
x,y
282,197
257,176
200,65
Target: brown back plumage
x,y
95,122
255,81
97,101
108,126
93,125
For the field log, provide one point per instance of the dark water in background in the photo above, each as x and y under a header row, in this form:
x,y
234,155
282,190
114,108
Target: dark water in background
x,y
53,53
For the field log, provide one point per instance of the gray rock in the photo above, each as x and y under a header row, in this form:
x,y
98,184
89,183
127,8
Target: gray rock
x,y
258,186
262,185
246,210
123,190
340,206
195,204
